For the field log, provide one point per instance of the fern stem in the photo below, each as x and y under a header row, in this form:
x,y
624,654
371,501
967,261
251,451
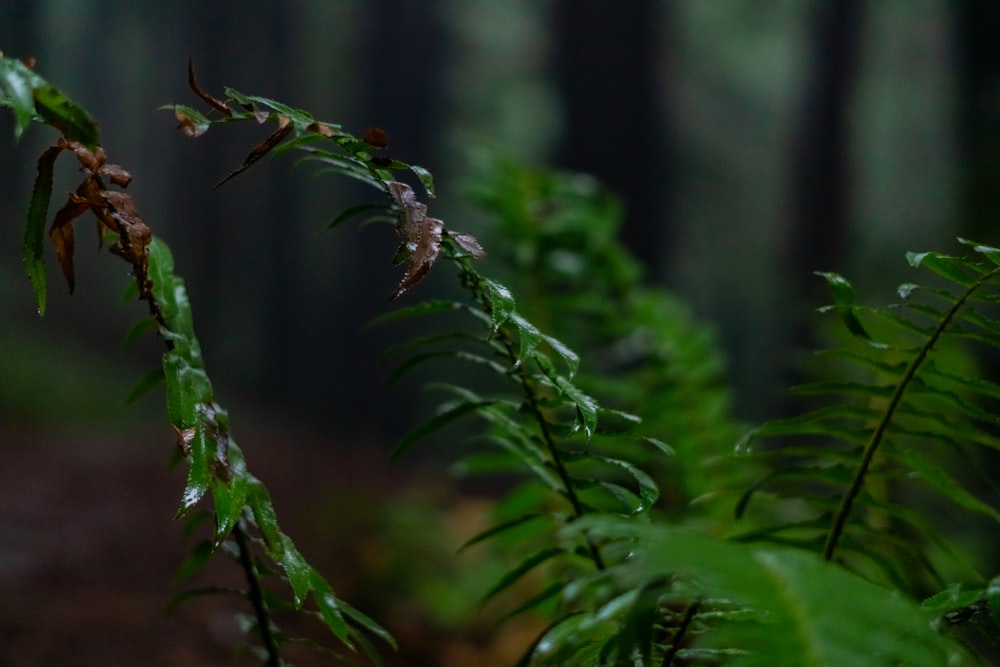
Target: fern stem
x,y
550,446
256,596
878,435
471,279
675,641
254,592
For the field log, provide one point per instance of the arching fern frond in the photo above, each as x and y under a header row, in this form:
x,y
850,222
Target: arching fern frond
x,y
905,415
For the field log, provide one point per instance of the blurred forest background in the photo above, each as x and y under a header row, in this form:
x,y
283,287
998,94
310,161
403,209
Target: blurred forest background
x,y
750,142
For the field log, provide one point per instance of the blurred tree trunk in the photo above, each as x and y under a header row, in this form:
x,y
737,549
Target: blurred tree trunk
x,y
403,51
607,57
402,55
245,235
19,35
979,129
820,169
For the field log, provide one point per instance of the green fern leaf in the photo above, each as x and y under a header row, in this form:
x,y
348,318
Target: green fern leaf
x,y
809,612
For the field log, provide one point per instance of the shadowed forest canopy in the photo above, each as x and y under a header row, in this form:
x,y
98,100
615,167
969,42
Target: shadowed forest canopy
x,y
750,145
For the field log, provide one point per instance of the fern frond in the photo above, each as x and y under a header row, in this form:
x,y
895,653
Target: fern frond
x,y
911,401
785,607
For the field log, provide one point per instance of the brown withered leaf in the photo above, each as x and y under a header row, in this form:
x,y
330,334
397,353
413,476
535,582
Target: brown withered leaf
x,y
116,174
423,253
119,213
322,129
90,160
115,211
406,198
468,243
285,128
377,137
61,234
184,439
420,237
213,102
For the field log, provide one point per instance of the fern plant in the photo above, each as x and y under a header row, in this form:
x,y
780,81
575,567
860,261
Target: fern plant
x,y
908,419
558,232
244,516
619,589
829,573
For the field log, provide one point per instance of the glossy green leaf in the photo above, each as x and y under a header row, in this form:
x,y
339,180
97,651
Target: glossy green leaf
x,y
649,492
528,335
993,598
502,528
953,598
66,116
546,595
300,574
365,622
147,383
137,331
939,478
437,422
554,628
843,296
196,560
837,475
300,119
34,229
340,165
419,360
431,307
813,612
354,212
426,179
264,517
528,564
945,266
501,302
586,405
330,607
16,84
991,253
230,494
199,476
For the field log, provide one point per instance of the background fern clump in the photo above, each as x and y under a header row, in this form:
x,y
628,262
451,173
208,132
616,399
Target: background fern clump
x,y
596,409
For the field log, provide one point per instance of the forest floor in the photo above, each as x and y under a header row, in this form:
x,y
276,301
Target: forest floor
x,y
89,549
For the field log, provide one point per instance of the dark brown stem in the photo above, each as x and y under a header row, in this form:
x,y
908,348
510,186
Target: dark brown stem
x,y
528,390
677,639
256,595
878,435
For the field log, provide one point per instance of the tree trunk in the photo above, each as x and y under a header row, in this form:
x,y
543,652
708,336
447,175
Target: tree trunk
x,y
979,128
606,63
820,168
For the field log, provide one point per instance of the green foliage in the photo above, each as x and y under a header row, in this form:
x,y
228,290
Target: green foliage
x,y
830,570
216,464
783,606
558,233
909,420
